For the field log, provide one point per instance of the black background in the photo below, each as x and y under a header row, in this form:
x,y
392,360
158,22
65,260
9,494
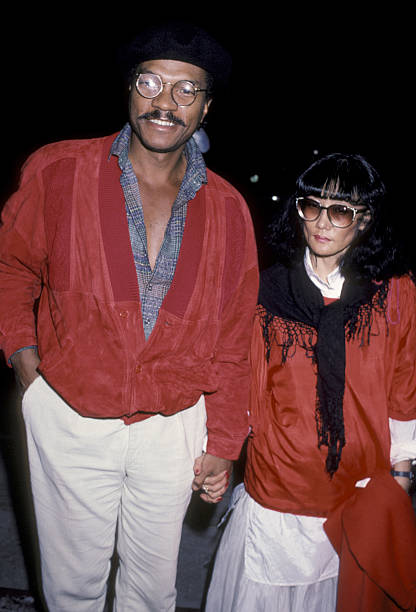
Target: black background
x,y
325,79
307,79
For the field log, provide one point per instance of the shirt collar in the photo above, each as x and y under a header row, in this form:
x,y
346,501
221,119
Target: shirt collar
x,y
195,170
330,288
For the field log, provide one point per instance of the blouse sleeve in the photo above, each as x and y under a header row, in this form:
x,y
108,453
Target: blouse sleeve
x,y
402,313
403,440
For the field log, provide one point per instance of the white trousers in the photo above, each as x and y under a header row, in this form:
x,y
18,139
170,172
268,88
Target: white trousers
x,y
93,477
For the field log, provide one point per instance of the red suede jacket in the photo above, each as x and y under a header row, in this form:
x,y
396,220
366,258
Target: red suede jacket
x,y
64,239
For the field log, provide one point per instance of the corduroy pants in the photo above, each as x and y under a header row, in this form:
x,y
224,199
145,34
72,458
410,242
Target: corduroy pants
x,y
97,481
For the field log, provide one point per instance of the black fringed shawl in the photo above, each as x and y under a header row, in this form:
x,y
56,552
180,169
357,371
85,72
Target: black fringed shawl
x,y
290,295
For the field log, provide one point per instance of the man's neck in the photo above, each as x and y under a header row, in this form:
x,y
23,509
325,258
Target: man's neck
x,y
157,168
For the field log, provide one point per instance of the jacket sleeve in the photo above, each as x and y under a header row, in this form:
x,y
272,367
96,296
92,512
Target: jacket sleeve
x,y
227,408
22,256
259,367
402,315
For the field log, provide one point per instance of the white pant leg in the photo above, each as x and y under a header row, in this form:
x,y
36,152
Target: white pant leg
x,y
155,497
77,474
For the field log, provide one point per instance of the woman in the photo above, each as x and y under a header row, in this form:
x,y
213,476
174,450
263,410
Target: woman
x,y
321,523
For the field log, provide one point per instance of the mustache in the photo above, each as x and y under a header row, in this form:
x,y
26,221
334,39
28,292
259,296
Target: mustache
x,y
156,114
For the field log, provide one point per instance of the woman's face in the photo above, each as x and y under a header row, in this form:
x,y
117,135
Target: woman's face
x,y
326,240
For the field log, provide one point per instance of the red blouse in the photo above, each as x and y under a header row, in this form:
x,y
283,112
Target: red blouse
x,y
285,469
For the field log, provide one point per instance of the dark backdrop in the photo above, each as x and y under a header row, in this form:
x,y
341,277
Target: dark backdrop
x,y
306,81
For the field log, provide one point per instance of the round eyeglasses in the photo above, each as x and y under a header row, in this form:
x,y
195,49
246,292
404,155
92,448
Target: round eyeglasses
x,y
150,85
339,215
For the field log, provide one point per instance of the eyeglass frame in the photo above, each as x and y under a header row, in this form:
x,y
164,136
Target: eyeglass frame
x,y
162,85
321,208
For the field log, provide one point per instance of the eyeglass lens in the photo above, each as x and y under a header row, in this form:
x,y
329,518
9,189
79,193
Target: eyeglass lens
x,y
339,215
151,85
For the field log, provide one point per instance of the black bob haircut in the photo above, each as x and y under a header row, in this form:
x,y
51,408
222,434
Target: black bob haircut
x,y
375,253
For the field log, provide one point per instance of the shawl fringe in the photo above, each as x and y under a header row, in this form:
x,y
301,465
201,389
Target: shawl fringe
x,y
297,334
289,335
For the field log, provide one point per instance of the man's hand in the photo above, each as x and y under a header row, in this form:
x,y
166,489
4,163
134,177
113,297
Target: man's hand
x,y
25,365
212,475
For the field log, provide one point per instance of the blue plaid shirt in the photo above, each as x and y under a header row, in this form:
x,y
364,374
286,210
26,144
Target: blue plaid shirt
x,y
154,284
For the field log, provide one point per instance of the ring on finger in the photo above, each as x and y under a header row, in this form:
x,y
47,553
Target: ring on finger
x,y
205,488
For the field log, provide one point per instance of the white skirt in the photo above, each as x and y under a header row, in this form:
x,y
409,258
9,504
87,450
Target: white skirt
x,y
232,589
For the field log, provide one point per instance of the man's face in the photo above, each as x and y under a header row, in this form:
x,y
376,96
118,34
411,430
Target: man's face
x,y
159,123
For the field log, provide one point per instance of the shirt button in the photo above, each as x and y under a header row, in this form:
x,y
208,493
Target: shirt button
x,y
138,369
124,314
149,287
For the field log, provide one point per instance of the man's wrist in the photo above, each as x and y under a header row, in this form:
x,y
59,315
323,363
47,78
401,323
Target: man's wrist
x,y
24,348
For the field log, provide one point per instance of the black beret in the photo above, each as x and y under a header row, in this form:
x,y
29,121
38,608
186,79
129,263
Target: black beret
x,y
179,41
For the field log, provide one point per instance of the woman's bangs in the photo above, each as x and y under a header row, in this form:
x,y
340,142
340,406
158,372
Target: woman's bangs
x,y
332,189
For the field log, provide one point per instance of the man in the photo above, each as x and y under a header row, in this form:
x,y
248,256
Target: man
x,y
145,267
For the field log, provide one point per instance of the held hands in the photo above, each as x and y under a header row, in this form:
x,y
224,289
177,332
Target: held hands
x,y
24,365
212,476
